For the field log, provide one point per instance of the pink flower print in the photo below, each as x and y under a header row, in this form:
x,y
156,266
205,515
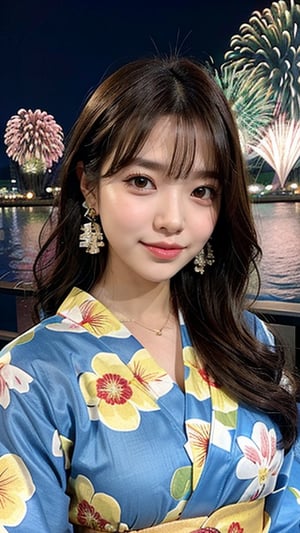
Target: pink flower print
x,y
260,463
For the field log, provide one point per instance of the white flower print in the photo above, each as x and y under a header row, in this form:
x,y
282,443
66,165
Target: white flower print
x,y
261,462
11,377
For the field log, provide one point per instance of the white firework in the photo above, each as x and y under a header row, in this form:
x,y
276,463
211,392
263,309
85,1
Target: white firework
x,y
280,146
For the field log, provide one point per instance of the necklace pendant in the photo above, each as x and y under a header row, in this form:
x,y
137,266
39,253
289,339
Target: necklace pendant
x,y
159,332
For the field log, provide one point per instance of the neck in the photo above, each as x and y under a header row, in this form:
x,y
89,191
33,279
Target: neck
x,y
138,301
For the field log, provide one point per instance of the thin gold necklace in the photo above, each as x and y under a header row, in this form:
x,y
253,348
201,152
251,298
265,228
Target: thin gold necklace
x,y
158,331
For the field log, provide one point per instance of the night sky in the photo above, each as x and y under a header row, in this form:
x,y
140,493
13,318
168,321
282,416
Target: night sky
x,y
53,53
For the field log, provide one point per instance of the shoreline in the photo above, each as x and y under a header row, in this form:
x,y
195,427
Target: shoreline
x,y
20,202
270,198
23,202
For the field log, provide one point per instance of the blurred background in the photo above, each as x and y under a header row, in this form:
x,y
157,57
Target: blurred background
x,y
53,54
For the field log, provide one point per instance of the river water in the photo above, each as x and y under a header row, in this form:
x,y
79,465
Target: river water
x,y
278,226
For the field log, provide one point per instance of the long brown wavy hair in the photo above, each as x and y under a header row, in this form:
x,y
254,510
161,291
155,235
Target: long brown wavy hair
x,y
112,128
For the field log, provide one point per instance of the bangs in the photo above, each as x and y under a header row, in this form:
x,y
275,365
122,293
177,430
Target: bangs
x,y
189,135
191,138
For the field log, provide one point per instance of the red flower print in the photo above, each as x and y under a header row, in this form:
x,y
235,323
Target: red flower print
x,y
142,375
89,315
87,516
113,395
235,528
199,438
206,377
113,389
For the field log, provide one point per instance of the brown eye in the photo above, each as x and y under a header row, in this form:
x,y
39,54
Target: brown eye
x,y
204,193
141,182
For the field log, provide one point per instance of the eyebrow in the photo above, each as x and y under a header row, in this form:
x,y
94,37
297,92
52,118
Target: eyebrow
x,y
160,167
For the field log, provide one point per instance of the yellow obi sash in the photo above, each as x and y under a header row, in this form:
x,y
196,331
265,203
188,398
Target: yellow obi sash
x,y
246,517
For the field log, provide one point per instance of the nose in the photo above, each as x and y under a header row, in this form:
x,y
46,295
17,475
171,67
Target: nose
x,y
169,216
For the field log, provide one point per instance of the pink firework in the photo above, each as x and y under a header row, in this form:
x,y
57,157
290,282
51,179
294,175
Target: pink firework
x,y
33,136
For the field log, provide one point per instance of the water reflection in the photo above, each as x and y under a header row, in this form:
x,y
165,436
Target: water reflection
x,y
19,234
278,226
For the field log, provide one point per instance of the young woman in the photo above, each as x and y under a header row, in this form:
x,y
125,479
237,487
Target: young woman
x,y
149,398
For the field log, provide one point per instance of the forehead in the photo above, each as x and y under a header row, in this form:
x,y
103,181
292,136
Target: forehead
x,y
181,143
180,146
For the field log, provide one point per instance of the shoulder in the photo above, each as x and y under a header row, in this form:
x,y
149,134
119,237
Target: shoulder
x,y
49,337
44,342
258,328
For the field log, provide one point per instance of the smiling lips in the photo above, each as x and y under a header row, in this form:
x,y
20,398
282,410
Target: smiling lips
x,y
163,250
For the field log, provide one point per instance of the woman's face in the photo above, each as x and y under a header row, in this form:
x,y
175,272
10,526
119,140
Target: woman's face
x,y
155,224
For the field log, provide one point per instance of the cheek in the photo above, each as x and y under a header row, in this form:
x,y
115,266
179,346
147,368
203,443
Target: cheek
x,y
205,222
122,213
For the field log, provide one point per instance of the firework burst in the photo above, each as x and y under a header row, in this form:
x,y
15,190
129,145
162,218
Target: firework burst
x,y
251,102
280,146
269,46
34,140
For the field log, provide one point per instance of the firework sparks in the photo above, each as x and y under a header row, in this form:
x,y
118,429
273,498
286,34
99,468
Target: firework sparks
x,y
34,140
269,46
251,103
280,146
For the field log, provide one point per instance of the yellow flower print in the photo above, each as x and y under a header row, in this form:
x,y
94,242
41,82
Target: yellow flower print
x,y
150,374
224,419
198,432
62,446
201,385
16,487
113,394
296,493
175,513
21,339
82,312
222,402
11,378
97,511
197,382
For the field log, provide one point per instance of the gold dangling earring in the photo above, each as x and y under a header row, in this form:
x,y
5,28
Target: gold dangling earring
x,y
203,258
91,237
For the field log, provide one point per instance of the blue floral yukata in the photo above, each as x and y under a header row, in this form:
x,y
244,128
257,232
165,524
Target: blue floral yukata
x,y
94,432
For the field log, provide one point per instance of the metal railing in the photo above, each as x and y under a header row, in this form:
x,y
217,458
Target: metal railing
x,y
16,305
284,318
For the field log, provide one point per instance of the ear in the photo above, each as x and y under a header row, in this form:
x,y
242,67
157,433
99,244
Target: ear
x,y
87,188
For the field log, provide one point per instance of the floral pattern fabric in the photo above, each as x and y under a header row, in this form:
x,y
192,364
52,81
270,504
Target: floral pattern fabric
x,y
94,432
